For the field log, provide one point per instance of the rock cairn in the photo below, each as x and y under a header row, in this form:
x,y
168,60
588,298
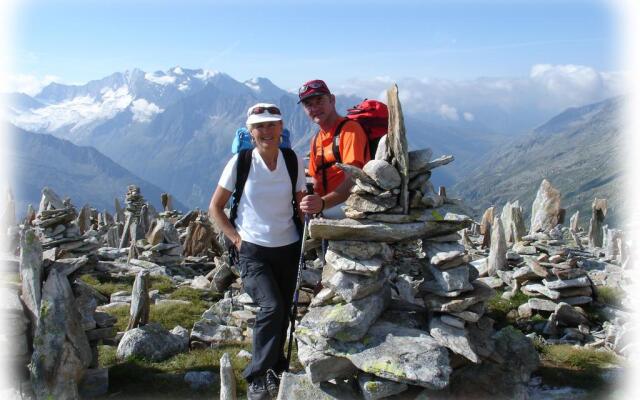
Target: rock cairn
x,y
560,270
57,225
401,310
65,327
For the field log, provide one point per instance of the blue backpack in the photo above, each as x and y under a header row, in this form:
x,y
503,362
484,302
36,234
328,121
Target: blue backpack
x,y
242,140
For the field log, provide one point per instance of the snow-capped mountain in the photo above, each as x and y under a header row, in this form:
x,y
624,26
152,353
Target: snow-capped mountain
x,y
174,128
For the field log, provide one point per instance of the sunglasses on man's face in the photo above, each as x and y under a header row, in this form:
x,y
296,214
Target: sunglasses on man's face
x,y
262,110
312,85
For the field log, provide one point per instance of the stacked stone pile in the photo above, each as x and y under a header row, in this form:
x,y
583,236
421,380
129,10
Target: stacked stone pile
x,y
401,310
560,269
65,326
58,229
163,244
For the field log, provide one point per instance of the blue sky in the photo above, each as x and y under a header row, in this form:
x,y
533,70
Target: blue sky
x,y
292,41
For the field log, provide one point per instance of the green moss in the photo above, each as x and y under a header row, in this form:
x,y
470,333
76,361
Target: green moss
x,y
382,367
338,313
372,387
163,284
107,284
194,295
499,308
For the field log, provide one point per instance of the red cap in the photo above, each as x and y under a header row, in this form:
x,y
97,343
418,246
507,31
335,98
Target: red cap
x,y
312,88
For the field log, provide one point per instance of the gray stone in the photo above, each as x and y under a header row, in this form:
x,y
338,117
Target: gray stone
x,y
361,250
508,379
227,379
211,332
374,388
542,304
455,339
321,367
94,383
419,159
523,249
453,279
299,387
383,173
397,144
31,271
61,351
542,289
480,293
200,282
452,321
151,342
545,209
320,228
368,203
566,283
497,260
346,322
567,315
140,303
199,379
360,267
449,259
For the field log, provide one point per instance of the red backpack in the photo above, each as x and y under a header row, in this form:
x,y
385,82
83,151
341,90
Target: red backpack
x,y
373,117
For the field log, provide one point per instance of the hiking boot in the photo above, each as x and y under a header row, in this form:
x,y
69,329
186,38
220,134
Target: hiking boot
x,y
273,383
257,389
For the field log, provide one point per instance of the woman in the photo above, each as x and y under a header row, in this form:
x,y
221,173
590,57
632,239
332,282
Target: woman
x,y
267,241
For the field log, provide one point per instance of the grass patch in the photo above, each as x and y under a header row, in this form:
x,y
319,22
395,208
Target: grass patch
x,y
107,285
195,295
170,315
167,315
498,308
136,378
577,357
163,284
610,295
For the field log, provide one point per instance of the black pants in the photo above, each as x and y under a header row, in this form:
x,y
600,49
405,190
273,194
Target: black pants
x,y
269,277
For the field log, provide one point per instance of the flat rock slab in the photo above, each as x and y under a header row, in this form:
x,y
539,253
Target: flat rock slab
x,y
353,266
374,388
360,250
391,351
321,367
211,332
349,229
455,339
348,321
299,387
480,293
567,283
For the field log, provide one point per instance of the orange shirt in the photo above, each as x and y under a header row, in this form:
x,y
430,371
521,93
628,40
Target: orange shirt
x,y
354,150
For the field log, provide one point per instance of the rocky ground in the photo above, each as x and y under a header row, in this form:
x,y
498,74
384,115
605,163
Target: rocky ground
x,y
412,299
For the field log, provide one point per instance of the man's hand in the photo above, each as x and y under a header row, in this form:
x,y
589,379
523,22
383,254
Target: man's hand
x,y
311,204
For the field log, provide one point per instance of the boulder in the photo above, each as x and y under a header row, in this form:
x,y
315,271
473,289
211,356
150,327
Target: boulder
x,y
150,342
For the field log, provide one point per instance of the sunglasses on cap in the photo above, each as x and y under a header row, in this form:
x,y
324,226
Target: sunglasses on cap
x,y
312,85
262,110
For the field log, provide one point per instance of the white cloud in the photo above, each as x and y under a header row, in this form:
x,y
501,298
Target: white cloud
x,y
500,103
178,71
76,112
24,83
143,111
447,112
160,79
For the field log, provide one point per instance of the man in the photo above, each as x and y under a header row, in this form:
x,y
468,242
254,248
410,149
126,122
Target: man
x,y
331,185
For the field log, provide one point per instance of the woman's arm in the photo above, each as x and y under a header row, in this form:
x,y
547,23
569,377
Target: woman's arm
x,y
216,210
299,196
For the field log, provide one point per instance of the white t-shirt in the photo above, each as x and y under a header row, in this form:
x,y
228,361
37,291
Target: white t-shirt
x,y
265,211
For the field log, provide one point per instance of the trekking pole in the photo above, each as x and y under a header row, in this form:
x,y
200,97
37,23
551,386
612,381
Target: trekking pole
x,y
294,306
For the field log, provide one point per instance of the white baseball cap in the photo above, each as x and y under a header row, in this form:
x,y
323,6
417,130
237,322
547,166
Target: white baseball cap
x,y
263,112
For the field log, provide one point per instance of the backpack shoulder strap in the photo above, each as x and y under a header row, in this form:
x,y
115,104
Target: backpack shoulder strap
x,y
291,161
336,140
243,167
